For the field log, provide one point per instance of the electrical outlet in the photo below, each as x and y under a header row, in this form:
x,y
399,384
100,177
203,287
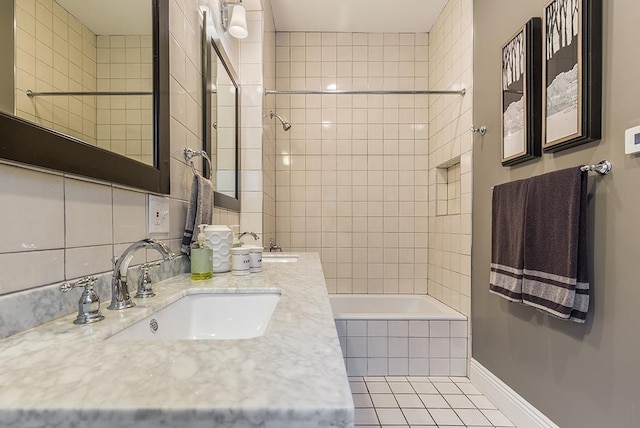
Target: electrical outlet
x,y
158,221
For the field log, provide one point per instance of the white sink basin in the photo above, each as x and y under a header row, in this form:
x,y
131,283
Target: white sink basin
x,y
206,316
280,258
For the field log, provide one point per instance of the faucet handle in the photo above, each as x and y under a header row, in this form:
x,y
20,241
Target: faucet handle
x,y
89,303
87,282
144,282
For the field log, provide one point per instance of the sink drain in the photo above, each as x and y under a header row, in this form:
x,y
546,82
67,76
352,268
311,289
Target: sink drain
x,y
153,325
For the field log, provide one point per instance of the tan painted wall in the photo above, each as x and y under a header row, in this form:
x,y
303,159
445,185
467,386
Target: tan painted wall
x,y
578,375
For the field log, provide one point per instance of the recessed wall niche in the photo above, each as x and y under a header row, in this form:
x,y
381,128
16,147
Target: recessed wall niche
x,y
448,188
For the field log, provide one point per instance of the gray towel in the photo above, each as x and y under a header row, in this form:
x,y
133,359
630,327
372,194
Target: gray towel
x,y
555,240
199,211
507,240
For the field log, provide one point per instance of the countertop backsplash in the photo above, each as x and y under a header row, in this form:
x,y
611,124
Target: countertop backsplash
x,y
29,308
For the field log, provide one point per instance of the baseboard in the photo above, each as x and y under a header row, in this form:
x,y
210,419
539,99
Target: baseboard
x,y
517,409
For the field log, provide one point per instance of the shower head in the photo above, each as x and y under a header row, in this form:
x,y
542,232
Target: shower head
x,y
285,125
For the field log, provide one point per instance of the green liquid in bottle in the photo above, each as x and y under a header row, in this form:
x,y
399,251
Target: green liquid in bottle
x,y
201,263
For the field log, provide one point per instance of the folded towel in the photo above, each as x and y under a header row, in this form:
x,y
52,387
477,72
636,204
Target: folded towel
x,y
199,211
507,239
555,240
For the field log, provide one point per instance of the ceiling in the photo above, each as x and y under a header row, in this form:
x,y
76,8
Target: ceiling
x,y
367,16
112,17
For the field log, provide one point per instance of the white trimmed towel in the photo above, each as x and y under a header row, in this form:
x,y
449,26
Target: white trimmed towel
x,y
507,239
556,274
199,211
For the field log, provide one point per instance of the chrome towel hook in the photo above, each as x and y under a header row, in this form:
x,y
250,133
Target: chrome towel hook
x,y
482,130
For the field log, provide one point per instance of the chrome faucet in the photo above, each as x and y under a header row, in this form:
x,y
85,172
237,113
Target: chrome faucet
x,y
253,235
273,246
120,298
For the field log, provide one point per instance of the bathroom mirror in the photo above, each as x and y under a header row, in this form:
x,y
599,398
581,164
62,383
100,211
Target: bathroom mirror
x,y
221,121
88,90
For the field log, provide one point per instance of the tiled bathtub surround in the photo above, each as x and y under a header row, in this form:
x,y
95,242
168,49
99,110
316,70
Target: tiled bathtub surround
x,y
404,347
450,67
125,123
351,174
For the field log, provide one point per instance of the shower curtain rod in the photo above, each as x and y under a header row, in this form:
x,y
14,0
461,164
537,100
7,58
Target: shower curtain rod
x,y
361,92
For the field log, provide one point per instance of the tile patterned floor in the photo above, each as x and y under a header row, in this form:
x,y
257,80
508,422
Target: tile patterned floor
x,y
417,402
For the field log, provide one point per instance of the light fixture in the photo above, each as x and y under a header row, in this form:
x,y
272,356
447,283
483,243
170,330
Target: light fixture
x,y
234,18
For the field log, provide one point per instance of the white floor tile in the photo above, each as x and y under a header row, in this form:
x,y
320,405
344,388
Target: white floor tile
x,y
409,401
358,387
391,417
383,400
448,388
481,402
433,401
469,389
399,402
497,418
417,379
366,417
473,417
401,388
459,402
459,379
362,400
418,417
424,388
378,388
439,379
445,417
391,379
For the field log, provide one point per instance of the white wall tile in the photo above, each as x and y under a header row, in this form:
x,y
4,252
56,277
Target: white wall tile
x,y
129,216
356,346
88,213
26,270
87,260
34,200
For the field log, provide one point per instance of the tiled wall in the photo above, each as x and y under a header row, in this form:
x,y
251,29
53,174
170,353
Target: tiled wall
x,y
225,133
269,129
251,78
401,348
450,156
351,174
125,123
58,227
55,53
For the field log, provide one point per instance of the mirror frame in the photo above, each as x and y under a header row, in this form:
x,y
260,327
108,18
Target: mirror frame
x,y
28,143
213,46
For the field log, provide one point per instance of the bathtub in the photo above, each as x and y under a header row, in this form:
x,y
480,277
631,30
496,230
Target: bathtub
x,y
400,335
391,307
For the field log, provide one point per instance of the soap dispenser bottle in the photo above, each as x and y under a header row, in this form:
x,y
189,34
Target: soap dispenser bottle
x,y
201,257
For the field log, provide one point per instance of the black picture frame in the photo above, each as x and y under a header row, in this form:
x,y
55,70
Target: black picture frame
x,y
572,89
521,124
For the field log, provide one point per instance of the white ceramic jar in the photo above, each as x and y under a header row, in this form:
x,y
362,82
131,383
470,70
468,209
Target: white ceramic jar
x,y
220,238
240,261
255,259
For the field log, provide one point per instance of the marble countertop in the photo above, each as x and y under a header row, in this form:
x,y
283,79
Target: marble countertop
x,y
61,374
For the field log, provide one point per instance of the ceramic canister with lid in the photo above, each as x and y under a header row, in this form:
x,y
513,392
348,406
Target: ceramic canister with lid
x,y
220,238
240,261
255,258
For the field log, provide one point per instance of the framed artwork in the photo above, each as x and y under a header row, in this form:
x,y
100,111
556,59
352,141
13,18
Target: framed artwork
x,y
521,89
572,92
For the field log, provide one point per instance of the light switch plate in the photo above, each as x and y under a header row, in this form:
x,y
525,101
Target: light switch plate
x,y
632,140
158,221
